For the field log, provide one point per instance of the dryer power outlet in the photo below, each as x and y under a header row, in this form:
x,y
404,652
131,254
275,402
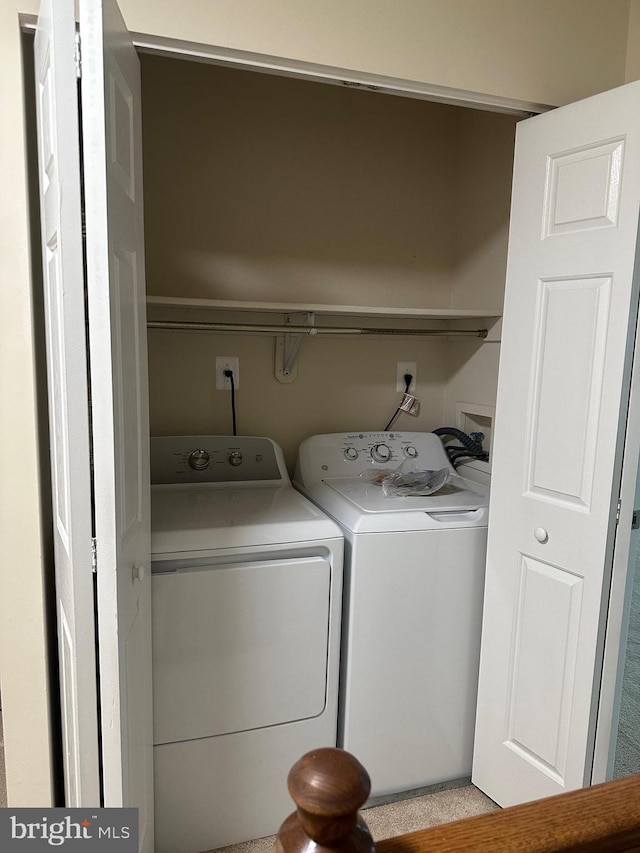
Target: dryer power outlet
x,y
227,362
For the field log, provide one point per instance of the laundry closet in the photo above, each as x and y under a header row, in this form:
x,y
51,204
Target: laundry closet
x,y
336,206
281,193
268,189
298,200
273,202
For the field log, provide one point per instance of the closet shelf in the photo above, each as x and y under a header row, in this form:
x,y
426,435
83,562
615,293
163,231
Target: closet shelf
x,y
320,309
298,321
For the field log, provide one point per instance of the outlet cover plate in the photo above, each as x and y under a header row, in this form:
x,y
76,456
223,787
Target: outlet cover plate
x,y
406,367
227,362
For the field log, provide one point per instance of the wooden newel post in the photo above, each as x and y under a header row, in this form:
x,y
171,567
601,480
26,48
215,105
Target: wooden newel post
x,y
328,786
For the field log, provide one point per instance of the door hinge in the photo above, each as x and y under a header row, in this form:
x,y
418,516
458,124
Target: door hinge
x,y
618,510
94,555
635,519
78,57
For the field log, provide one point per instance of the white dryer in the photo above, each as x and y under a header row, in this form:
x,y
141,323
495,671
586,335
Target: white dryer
x,y
246,580
413,589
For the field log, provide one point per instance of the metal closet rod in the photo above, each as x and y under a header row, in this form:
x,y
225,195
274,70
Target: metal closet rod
x,y
310,330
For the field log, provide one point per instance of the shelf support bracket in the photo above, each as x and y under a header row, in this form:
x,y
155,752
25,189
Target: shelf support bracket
x,y
286,351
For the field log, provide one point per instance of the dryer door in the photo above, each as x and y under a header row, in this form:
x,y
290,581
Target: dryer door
x,y
239,647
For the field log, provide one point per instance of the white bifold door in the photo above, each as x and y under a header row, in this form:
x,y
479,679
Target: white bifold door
x,y
67,376
569,322
97,372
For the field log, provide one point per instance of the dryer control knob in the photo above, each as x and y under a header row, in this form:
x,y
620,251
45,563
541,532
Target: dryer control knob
x,y
235,458
351,453
411,452
199,460
381,452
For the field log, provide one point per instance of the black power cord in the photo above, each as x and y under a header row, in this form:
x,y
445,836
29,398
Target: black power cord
x,y
407,382
229,375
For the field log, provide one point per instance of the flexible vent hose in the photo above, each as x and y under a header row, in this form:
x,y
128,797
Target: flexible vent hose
x,y
462,437
470,447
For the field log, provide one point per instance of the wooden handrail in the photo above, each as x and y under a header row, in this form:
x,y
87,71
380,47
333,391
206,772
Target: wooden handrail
x,y
331,785
601,818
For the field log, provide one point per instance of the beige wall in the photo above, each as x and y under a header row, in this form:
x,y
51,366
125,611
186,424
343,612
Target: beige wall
x,y
547,51
484,158
632,70
341,385
471,373
541,50
271,189
483,196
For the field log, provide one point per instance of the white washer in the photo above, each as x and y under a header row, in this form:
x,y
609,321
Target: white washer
x,y
247,582
414,580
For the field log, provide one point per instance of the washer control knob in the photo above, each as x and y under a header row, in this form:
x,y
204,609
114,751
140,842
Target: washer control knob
x,y
350,453
235,458
411,452
199,460
381,452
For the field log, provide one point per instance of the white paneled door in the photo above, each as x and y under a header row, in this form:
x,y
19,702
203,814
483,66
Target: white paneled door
x,y
116,405
570,314
112,148
67,375
112,143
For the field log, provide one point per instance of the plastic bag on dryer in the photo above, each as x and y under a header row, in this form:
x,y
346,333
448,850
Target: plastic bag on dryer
x,y
406,480
376,475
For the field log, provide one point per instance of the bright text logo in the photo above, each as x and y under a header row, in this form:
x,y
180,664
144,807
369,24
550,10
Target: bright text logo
x,y
101,830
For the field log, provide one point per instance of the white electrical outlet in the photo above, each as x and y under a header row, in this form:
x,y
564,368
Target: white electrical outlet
x,y
406,367
227,362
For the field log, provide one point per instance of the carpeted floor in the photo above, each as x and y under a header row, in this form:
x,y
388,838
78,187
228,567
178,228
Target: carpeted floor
x,y
402,816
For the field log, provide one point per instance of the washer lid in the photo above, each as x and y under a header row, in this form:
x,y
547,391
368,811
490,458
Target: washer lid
x,y
457,495
204,518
